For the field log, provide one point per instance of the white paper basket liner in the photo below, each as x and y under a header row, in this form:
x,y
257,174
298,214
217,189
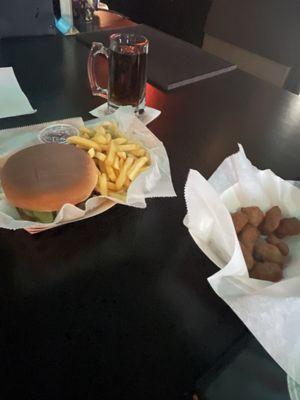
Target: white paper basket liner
x,y
155,182
271,311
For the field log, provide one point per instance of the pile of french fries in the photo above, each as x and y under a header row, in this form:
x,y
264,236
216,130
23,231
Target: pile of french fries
x,y
118,160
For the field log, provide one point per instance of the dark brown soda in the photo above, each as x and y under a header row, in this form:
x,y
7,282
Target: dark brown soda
x,y
127,77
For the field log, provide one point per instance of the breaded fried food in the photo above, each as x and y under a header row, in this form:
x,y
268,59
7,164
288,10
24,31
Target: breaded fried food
x,y
275,241
264,251
266,271
254,214
288,227
271,221
249,260
239,220
249,236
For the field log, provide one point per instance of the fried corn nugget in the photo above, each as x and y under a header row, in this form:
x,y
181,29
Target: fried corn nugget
x,y
264,251
249,260
254,214
266,271
239,220
271,221
288,227
283,247
249,236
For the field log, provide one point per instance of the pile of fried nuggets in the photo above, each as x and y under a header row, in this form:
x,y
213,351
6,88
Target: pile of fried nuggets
x,y
260,237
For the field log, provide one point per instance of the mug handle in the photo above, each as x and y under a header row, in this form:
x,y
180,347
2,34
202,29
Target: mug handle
x,y
96,49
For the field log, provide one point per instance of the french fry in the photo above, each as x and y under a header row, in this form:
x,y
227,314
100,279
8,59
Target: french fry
x,y
87,143
108,137
105,147
80,147
138,152
116,163
91,133
111,173
118,160
127,182
127,147
134,170
112,186
123,172
91,152
143,169
99,130
122,154
103,184
112,129
101,166
101,139
111,154
118,196
120,140
100,156
84,130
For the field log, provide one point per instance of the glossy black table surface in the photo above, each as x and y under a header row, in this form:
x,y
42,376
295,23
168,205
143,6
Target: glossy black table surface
x,y
118,306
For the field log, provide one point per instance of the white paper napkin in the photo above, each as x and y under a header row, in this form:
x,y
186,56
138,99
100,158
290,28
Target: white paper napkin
x,y
271,311
149,115
13,101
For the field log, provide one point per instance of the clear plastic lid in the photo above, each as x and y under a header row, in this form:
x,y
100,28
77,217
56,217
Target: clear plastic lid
x,y
57,133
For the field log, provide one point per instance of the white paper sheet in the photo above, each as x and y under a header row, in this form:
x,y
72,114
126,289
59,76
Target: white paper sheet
x,y
271,311
13,101
149,115
155,182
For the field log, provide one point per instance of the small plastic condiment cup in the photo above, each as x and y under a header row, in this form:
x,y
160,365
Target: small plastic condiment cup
x,y
57,133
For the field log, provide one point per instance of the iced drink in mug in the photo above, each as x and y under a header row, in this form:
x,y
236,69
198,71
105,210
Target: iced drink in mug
x,y
127,59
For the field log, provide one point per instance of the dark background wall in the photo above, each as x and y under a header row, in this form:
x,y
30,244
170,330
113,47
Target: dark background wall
x,y
182,18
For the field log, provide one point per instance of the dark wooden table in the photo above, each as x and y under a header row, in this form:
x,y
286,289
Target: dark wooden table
x,y
118,306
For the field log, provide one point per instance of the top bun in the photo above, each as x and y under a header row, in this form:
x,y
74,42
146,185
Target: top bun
x,y
47,176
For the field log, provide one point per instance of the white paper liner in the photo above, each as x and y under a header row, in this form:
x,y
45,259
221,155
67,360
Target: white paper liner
x,y
149,114
155,182
271,311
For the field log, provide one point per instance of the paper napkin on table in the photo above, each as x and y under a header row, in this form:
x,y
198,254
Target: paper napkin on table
x,y
13,101
146,117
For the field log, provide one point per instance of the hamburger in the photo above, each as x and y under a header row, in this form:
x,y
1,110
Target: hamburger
x,y
40,179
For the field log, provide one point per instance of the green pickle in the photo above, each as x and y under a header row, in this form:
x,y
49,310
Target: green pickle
x,y
45,217
40,216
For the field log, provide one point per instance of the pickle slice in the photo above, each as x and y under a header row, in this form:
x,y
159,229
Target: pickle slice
x,y
43,216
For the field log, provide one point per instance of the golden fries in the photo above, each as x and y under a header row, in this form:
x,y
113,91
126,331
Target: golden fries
x,y
134,170
91,152
127,147
122,154
116,163
120,140
101,139
118,196
118,160
123,172
103,184
88,143
111,153
138,152
100,156
111,173
100,130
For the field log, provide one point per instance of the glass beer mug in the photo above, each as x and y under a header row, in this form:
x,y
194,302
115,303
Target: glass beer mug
x,y
127,66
